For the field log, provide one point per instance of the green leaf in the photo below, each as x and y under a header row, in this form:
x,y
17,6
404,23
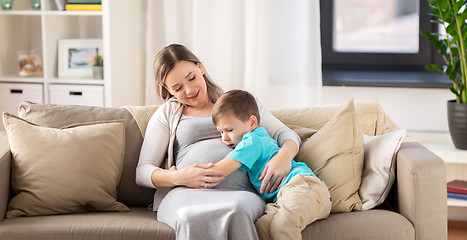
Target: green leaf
x,y
461,19
436,21
434,13
441,4
454,91
434,68
452,29
457,6
433,39
451,72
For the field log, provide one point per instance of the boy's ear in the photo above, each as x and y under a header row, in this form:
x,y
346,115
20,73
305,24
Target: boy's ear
x,y
253,122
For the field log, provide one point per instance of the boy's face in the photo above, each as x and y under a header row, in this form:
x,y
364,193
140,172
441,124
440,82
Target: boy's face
x,y
232,128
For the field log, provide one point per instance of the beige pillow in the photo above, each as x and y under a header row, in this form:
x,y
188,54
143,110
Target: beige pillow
x,y
335,154
59,116
75,169
379,167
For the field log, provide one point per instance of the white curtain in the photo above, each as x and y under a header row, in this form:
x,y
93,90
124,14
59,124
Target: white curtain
x,y
268,47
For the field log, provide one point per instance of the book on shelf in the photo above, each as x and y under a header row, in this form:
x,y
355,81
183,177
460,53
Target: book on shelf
x,y
457,186
85,1
84,7
457,196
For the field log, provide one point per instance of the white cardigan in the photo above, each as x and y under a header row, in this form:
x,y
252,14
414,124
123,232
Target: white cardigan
x,y
157,149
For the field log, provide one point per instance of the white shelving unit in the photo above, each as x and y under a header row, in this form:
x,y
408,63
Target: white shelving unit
x,y
456,166
40,31
118,25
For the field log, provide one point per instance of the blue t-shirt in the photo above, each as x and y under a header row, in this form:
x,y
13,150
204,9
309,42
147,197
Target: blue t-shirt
x,y
254,151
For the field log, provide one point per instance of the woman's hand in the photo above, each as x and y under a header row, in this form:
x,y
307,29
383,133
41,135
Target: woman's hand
x,y
278,167
199,176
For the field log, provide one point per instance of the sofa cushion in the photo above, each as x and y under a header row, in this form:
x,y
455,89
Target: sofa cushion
x,y
363,225
74,169
379,170
335,154
373,119
137,224
57,116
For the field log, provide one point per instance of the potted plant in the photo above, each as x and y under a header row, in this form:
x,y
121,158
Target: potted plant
x,y
452,15
98,67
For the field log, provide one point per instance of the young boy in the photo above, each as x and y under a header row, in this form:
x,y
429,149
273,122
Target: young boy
x,y
302,197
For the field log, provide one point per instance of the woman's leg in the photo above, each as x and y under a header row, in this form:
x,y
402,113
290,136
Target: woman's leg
x,y
211,214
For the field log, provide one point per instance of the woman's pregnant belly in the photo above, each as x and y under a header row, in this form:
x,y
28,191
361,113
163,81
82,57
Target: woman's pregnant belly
x,y
212,151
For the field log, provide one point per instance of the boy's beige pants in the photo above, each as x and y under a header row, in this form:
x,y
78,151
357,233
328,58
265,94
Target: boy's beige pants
x,y
300,202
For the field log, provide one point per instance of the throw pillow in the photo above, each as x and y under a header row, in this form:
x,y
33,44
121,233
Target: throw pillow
x,y
335,154
75,169
379,167
58,116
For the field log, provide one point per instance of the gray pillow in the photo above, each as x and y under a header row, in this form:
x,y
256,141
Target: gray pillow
x,y
379,167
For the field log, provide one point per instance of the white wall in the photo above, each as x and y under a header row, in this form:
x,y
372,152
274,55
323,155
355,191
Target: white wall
x,y
410,108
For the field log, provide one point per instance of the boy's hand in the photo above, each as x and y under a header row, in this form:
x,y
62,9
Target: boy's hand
x,y
274,174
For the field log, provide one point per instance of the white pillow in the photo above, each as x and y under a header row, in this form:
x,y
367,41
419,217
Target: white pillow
x,y
379,167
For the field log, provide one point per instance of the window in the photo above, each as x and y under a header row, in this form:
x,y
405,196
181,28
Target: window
x,y
377,36
376,26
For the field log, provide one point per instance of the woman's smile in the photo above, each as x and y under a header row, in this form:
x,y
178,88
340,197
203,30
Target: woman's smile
x,y
195,96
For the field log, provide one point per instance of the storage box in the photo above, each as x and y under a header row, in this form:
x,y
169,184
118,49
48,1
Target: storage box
x,y
92,95
12,94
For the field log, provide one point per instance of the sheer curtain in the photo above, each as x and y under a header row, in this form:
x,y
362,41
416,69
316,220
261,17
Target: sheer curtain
x,y
268,47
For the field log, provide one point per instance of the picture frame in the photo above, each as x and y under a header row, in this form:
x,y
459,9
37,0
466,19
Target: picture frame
x,y
76,56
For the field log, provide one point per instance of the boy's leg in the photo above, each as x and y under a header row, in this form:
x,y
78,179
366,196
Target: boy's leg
x,y
300,202
263,224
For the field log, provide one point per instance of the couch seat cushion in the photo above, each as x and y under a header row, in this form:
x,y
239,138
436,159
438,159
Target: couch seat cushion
x,y
371,224
137,224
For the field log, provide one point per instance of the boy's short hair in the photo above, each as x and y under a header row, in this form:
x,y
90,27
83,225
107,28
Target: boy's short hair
x,y
240,104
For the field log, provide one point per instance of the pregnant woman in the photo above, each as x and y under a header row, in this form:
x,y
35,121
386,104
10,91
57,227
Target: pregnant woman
x,y
181,143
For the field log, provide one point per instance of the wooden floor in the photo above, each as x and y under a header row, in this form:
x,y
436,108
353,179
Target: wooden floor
x,y
457,230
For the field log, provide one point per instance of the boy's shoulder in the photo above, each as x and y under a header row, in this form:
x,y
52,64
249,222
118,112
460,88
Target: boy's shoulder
x,y
259,137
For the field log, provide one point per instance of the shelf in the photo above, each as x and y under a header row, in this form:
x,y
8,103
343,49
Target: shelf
x,y
86,81
16,79
21,12
73,13
441,144
50,13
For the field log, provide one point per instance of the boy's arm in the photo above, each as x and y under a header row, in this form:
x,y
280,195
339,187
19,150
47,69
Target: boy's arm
x,y
227,165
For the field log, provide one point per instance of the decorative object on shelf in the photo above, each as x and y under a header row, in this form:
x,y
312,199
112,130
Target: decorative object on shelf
x,y
6,4
29,64
76,56
35,4
98,67
60,4
451,15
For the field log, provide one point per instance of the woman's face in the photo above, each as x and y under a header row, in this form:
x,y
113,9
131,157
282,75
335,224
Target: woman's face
x,y
186,82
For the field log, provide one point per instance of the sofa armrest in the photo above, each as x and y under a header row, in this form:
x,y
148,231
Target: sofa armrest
x,y
421,184
5,168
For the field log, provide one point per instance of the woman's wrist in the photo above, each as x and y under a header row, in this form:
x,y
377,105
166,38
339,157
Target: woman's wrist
x,y
288,150
166,178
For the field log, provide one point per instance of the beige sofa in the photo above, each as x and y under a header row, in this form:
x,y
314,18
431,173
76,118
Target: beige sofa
x,y
414,209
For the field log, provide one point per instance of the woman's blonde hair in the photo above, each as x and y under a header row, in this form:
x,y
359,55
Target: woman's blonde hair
x,y
165,61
